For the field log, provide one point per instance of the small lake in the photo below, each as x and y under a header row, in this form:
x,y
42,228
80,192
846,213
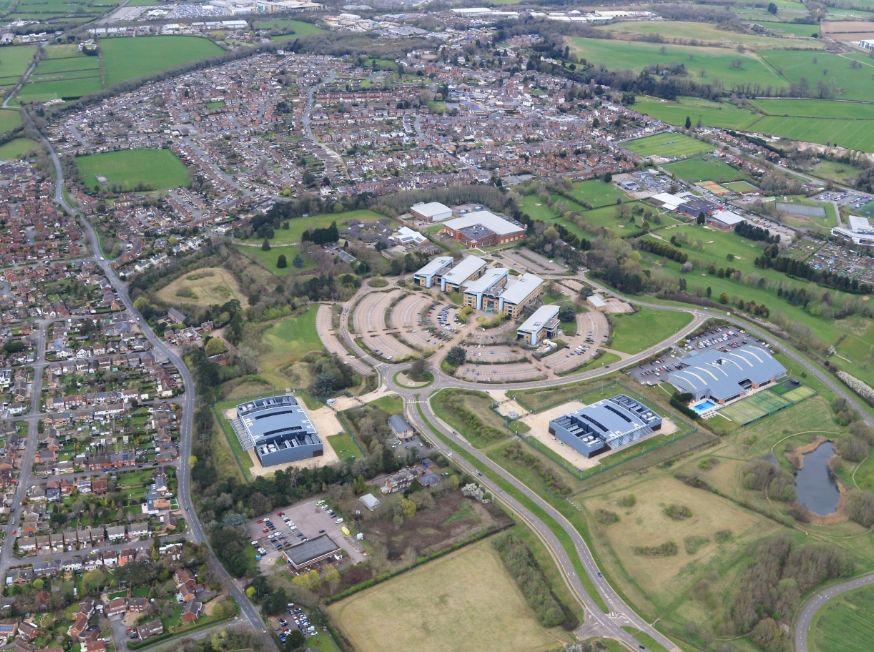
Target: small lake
x,y
814,484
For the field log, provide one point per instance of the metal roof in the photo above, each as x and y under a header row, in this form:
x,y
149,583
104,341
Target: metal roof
x,y
487,280
609,418
464,270
541,316
723,374
435,266
489,220
305,552
431,208
524,285
278,420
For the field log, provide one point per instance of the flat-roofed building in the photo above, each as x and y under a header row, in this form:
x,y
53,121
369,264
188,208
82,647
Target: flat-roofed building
x,y
483,229
432,211
432,271
609,424
278,429
725,219
860,232
484,292
544,322
726,375
518,293
303,555
470,268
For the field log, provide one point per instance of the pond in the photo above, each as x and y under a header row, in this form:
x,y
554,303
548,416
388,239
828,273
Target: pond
x,y
814,483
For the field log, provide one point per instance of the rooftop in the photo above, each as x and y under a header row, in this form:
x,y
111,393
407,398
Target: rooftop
x,y
542,316
431,209
463,270
485,282
724,375
305,552
521,288
487,219
435,266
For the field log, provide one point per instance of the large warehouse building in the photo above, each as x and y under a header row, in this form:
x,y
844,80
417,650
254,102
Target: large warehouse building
x,y
722,376
483,229
432,211
609,424
278,429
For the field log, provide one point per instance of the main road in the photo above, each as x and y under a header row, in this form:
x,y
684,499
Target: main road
x,y
187,400
815,602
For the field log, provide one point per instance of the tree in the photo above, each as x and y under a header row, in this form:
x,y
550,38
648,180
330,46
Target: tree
x,y
297,261
567,313
295,641
688,122
281,262
265,246
215,346
772,8
418,370
456,356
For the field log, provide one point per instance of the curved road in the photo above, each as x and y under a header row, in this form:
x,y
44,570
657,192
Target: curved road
x,y
815,602
187,399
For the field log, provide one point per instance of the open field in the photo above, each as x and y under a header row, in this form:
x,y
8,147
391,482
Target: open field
x,y
16,148
704,65
667,144
133,58
9,120
465,600
14,62
704,169
794,29
293,337
63,73
845,623
298,225
133,169
203,287
684,31
596,193
345,447
833,71
819,121
741,186
637,331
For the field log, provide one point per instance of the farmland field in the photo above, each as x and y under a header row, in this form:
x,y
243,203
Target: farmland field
x,y
676,30
667,144
704,169
16,148
133,169
13,63
464,601
9,120
704,65
637,331
203,287
133,58
831,70
845,623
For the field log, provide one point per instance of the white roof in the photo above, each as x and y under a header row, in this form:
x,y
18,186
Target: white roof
x,y
669,201
597,300
540,317
492,222
487,280
464,270
727,217
434,266
405,233
431,209
860,224
524,285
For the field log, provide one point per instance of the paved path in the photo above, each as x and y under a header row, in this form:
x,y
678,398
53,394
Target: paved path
x,y
815,602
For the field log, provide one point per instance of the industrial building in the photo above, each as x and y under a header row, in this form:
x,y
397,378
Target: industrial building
x,y
278,429
543,323
432,271
609,424
722,376
860,232
483,229
470,268
303,555
432,211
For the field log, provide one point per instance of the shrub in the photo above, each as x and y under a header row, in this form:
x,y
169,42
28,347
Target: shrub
x,y
606,517
694,542
281,261
860,507
628,500
722,536
677,512
666,549
555,484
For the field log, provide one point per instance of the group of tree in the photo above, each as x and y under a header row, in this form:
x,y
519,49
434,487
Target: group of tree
x,y
753,232
322,235
660,248
803,269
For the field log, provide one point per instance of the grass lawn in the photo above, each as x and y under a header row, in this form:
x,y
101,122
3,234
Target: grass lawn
x,y
704,169
456,406
268,259
815,67
845,623
9,119
741,186
134,58
203,287
632,333
596,193
667,144
14,60
703,64
715,114
345,447
133,169
390,404
65,87
298,225
294,337
465,600
17,147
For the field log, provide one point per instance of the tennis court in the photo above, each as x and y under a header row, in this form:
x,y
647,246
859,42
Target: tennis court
x,y
799,394
755,407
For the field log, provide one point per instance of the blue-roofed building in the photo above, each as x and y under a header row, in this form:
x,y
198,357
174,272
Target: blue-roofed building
x,y
723,376
609,424
278,429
